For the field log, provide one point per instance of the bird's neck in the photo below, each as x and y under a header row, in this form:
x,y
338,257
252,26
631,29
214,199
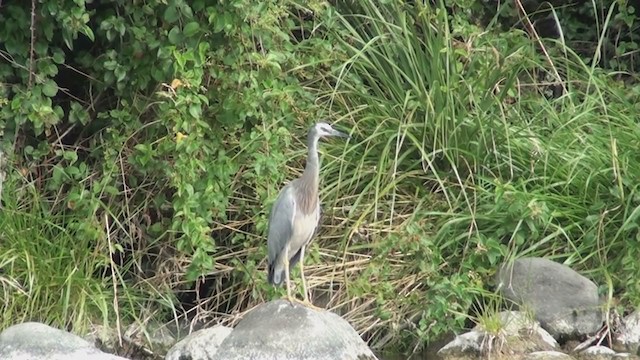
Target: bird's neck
x,y
312,168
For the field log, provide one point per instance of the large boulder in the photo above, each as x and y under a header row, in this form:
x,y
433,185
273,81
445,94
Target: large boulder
x,y
564,302
32,340
202,344
281,330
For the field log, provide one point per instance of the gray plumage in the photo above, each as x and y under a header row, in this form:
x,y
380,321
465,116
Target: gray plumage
x,y
295,214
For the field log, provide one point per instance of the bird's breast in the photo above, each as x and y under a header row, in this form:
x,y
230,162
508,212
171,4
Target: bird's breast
x,y
306,193
304,226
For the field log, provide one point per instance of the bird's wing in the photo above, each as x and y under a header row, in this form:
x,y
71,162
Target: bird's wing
x,y
318,214
317,224
283,212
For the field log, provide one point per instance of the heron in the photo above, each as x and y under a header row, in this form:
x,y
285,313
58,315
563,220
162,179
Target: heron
x,y
295,216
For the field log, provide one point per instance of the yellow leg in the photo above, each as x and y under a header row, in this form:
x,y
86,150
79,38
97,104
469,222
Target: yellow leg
x,y
306,300
286,275
304,283
287,278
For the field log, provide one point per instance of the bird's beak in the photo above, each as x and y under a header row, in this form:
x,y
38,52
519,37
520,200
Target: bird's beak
x,y
340,134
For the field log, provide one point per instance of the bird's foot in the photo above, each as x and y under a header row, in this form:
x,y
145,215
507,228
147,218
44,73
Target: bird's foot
x,y
309,304
306,303
291,299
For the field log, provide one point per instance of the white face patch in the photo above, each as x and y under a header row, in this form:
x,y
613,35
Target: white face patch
x,y
324,129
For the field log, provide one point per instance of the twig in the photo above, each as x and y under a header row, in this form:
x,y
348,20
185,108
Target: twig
x,y
544,50
113,278
33,41
2,174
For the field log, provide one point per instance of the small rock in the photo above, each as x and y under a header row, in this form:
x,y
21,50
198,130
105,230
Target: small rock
x,y
32,340
280,330
159,337
547,355
627,337
566,303
517,322
202,344
467,345
599,350
518,336
154,335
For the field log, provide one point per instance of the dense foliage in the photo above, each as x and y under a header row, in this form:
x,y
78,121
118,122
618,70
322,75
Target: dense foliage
x,y
145,141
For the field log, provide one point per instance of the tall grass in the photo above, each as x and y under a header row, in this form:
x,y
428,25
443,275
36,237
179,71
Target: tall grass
x,y
462,159
56,275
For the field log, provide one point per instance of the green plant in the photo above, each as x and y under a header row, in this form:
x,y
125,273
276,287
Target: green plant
x,y
171,122
47,274
459,132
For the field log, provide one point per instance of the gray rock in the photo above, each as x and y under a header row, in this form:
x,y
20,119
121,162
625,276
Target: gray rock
x,y
627,337
626,356
517,322
202,344
280,330
159,337
517,336
599,352
467,345
547,355
32,340
565,302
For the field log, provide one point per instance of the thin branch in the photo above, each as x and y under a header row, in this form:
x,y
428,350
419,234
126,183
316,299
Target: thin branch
x,y
2,174
116,306
534,33
33,41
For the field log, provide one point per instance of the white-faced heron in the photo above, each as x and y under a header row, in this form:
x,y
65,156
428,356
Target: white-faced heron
x,y
295,215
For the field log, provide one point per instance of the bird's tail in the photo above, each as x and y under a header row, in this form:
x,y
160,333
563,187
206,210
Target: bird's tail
x,y
275,275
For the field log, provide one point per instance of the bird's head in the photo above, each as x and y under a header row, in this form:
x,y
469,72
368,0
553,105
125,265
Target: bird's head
x,y
323,129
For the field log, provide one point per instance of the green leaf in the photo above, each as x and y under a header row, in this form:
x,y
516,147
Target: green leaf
x,y
191,29
77,114
175,36
50,88
120,73
68,39
88,32
70,156
195,111
171,14
57,55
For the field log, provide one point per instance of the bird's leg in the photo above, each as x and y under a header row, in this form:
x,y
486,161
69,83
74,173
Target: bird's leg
x,y
304,283
306,301
286,274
